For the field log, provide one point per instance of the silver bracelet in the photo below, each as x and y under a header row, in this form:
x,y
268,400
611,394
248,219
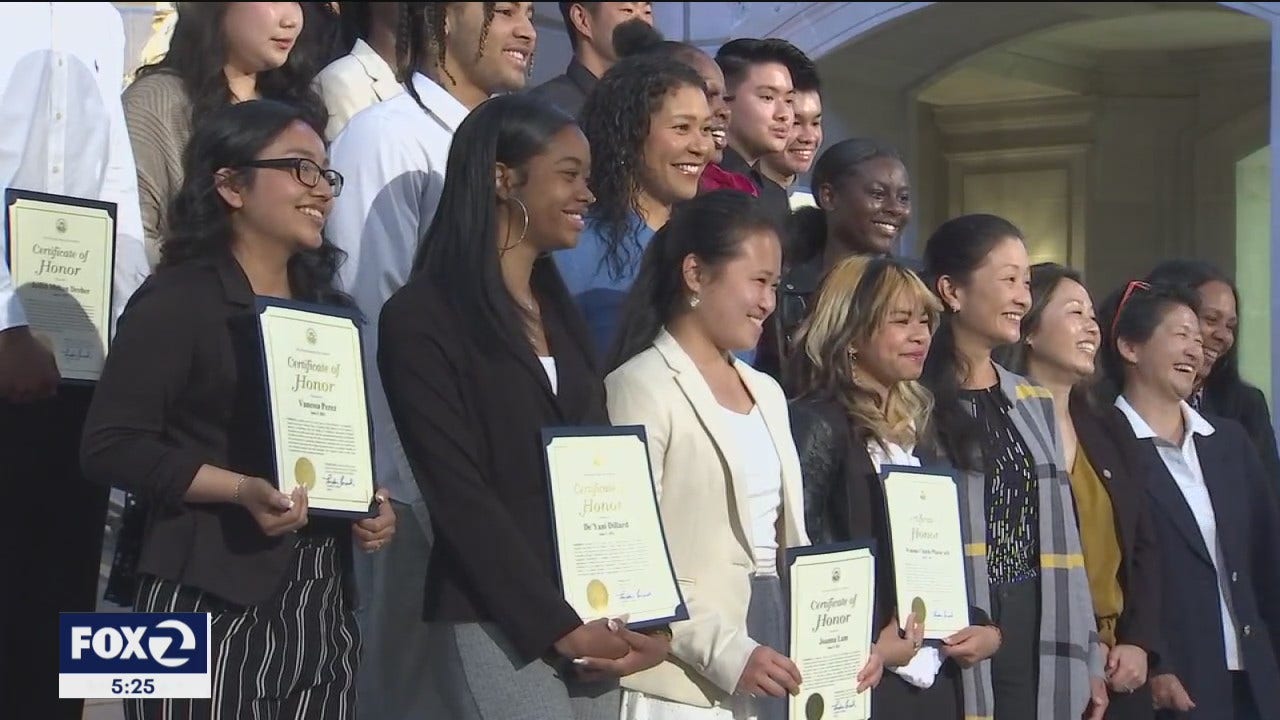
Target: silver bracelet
x,y
239,484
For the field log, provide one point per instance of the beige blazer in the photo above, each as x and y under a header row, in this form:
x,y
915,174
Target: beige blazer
x,y
352,83
703,499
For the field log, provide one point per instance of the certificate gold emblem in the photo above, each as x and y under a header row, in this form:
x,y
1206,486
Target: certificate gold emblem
x,y
304,473
597,595
919,610
814,707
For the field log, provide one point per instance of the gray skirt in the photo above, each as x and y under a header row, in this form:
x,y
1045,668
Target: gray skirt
x,y
767,625
478,677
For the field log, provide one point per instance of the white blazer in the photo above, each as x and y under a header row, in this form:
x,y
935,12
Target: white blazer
x,y
702,494
352,83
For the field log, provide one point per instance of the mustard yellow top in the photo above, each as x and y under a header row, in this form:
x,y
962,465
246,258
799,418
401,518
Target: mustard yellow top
x,y
1101,545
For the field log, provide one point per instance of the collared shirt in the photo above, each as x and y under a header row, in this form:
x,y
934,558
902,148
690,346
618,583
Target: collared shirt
x,y
392,157
1183,463
773,197
568,91
62,128
352,83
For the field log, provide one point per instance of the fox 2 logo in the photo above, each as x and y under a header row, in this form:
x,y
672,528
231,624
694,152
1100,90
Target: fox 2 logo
x,y
134,643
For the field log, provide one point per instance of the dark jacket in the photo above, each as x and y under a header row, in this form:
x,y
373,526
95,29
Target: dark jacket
x,y
469,409
183,387
1252,413
568,91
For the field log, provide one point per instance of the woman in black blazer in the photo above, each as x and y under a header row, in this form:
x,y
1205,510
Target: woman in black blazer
x,y
179,418
1216,522
479,351
857,406
1058,344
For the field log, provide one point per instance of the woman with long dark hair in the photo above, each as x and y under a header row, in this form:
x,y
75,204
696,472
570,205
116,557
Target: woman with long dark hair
x,y
1219,388
179,418
1211,504
479,351
1057,348
997,428
724,463
650,131
857,406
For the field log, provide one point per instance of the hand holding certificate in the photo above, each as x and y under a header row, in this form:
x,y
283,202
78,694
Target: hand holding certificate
x,y
927,549
319,413
832,604
611,549
61,256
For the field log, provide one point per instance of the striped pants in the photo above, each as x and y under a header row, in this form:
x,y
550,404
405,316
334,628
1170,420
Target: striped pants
x,y
291,658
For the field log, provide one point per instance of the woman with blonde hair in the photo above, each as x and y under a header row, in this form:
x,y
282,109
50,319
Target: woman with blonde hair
x,y
858,406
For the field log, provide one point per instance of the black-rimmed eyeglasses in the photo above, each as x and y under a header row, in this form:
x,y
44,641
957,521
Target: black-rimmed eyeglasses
x,y
308,172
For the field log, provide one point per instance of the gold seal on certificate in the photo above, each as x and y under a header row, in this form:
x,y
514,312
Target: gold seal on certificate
x,y
832,601
61,256
610,547
923,508
319,411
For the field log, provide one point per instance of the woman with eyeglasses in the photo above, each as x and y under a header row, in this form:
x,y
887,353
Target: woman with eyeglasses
x,y
1215,518
178,418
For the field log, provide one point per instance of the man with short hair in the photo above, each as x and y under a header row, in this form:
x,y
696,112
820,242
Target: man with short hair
x,y
590,26
797,158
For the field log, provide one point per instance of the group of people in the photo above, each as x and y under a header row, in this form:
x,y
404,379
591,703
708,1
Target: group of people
x,y
616,246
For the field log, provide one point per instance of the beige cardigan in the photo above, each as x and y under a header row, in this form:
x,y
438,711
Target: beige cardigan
x,y
158,114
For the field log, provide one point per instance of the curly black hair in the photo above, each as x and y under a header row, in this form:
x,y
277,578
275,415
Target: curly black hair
x,y
199,220
616,120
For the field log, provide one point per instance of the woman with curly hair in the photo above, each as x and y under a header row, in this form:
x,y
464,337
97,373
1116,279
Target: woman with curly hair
x,y
179,418
649,126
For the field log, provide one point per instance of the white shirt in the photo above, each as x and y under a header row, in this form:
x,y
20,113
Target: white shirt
x,y
549,367
62,126
352,83
392,157
763,472
1183,464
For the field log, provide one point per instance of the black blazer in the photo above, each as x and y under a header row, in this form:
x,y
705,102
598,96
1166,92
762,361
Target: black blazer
x,y
183,387
1248,528
1252,413
470,410
1108,443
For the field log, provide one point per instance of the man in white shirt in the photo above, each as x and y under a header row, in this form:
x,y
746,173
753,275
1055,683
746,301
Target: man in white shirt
x,y
62,132
367,74
393,157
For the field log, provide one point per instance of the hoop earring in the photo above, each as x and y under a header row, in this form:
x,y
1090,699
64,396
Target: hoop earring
x,y
524,231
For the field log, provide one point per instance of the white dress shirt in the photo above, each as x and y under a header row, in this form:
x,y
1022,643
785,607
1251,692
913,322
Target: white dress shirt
x,y
62,126
352,83
392,156
1183,463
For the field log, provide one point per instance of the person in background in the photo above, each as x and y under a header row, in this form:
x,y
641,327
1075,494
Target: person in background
x,y
371,71
785,167
63,133
1057,348
724,464
180,418
1219,388
1213,508
650,131
590,27
857,406
998,429
480,351
864,204
394,157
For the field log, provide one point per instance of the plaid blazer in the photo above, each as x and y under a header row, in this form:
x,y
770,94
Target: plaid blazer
x,y
1069,648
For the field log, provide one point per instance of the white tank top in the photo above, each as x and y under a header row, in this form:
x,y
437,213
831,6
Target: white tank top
x,y
763,472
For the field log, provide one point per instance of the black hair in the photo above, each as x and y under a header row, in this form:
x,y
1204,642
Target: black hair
x,y
808,226
711,226
421,36
197,55
355,22
1224,386
199,224
459,252
616,119
320,41
737,56
565,8
955,250
1133,312
1045,278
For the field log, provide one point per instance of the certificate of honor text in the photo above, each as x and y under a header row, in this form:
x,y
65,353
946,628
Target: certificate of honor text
x,y
319,412
611,549
832,602
927,549
61,257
